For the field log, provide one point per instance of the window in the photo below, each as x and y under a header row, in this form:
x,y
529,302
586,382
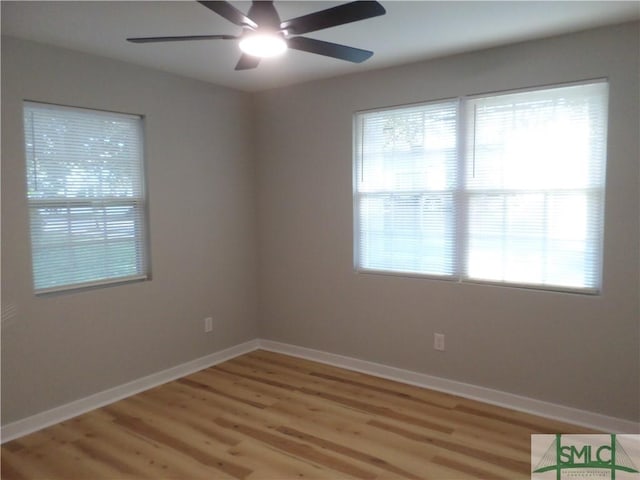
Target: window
x,y
406,189
505,188
86,197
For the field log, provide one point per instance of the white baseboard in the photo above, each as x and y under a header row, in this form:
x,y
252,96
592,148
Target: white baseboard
x,y
575,416
64,412
482,394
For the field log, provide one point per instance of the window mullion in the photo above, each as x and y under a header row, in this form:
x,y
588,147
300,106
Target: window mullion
x,y
461,193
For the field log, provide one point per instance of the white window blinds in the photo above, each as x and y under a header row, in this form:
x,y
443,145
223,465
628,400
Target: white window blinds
x,y
522,203
405,181
86,196
535,171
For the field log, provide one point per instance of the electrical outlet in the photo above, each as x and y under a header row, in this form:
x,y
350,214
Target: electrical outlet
x,y
438,341
208,324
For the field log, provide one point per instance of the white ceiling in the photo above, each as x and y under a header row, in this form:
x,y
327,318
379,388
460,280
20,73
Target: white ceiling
x,y
410,31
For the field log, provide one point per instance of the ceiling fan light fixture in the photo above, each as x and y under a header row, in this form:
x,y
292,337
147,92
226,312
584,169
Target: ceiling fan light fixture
x,y
261,44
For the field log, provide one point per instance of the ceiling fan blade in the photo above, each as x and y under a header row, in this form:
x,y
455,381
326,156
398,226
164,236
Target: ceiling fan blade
x,y
265,14
247,62
335,50
331,17
181,38
228,11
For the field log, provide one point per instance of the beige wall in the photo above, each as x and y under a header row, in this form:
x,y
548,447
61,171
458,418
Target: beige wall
x,y
580,351
202,225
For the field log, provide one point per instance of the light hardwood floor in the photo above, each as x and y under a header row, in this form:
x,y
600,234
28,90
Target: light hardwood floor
x,y
270,416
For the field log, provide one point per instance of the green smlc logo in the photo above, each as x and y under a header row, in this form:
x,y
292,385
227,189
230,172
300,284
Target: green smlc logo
x,y
609,456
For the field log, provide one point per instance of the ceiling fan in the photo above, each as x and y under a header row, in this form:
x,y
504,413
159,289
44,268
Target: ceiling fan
x,y
264,35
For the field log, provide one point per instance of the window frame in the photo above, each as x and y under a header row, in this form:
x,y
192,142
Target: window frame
x,y
462,194
138,204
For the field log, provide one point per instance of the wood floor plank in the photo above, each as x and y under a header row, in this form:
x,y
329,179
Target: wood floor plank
x,y
270,463
412,409
55,434
299,449
412,451
203,436
460,470
60,462
413,456
347,451
277,374
187,445
265,415
372,406
233,386
221,405
86,460
479,451
349,376
195,415
156,460
23,466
